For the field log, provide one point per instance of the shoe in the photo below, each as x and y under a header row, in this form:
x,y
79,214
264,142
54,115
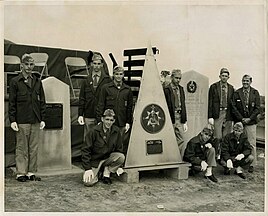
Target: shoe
x,y
106,180
192,172
241,175
227,172
34,178
22,178
251,169
212,178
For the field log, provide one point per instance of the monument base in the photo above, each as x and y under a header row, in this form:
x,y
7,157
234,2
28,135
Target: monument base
x,y
178,171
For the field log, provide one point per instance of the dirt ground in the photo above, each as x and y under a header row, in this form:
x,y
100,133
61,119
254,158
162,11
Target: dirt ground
x,y
154,193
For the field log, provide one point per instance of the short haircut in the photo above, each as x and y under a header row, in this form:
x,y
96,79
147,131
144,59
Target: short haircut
x,y
108,112
96,57
238,125
247,76
224,70
118,68
26,57
208,129
175,71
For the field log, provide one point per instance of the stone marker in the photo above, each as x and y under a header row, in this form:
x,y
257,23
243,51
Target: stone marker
x,y
54,152
196,99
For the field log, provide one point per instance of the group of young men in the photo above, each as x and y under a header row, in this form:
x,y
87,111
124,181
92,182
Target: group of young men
x,y
105,110
230,136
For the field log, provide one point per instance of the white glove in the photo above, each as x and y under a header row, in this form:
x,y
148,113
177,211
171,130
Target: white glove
x,y
42,125
230,164
204,165
211,121
14,126
88,176
127,127
239,157
120,171
208,145
185,127
81,120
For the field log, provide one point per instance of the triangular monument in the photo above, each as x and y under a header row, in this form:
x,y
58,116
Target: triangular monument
x,y
152,142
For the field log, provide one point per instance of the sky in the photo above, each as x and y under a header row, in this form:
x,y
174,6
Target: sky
x,y
203,37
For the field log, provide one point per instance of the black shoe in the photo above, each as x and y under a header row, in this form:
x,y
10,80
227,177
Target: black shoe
x,y
192,172
212,178
22,178
106,180
227,172
34,178
251,169
241,175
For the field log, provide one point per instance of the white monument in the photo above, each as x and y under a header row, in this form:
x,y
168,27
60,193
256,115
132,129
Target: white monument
x,y
196,100
54,152
152,142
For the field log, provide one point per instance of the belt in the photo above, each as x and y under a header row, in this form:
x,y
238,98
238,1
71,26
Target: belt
x,y
178,111
223,108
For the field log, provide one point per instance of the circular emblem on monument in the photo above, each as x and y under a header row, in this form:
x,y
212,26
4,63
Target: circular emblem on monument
x,y
153,118
191,86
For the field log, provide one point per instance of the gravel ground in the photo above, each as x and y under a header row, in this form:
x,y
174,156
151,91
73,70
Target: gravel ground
x,y
154,193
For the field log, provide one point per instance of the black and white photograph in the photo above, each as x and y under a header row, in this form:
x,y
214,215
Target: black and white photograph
x,y
133,107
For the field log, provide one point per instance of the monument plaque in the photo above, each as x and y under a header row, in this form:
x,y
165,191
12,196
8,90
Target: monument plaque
x,y
154,146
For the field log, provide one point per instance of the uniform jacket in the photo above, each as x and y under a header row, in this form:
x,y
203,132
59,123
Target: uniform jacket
x,y
96,148
26,105
195,151
170,98
239,108
231,147
214,100
120,100
88,98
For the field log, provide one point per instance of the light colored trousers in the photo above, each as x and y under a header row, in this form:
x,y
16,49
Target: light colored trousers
x,y
222,127
27,139
89,124
210,159
179,133
115,160
250,130
221,131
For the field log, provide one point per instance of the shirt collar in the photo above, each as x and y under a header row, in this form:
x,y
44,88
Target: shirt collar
x,y
96,73
246,90
173,86
223,84
25,76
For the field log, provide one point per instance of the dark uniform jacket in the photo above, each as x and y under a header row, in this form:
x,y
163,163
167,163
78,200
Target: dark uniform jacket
x,y
231,147
26,104
89,97
97,147
120,100
214,101
170,98
195,151
239,108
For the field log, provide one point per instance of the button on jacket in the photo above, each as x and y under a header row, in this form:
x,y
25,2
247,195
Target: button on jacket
x,y
215,101
120,100
26,104
89,97
231,147
97,147
239,107
170,98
